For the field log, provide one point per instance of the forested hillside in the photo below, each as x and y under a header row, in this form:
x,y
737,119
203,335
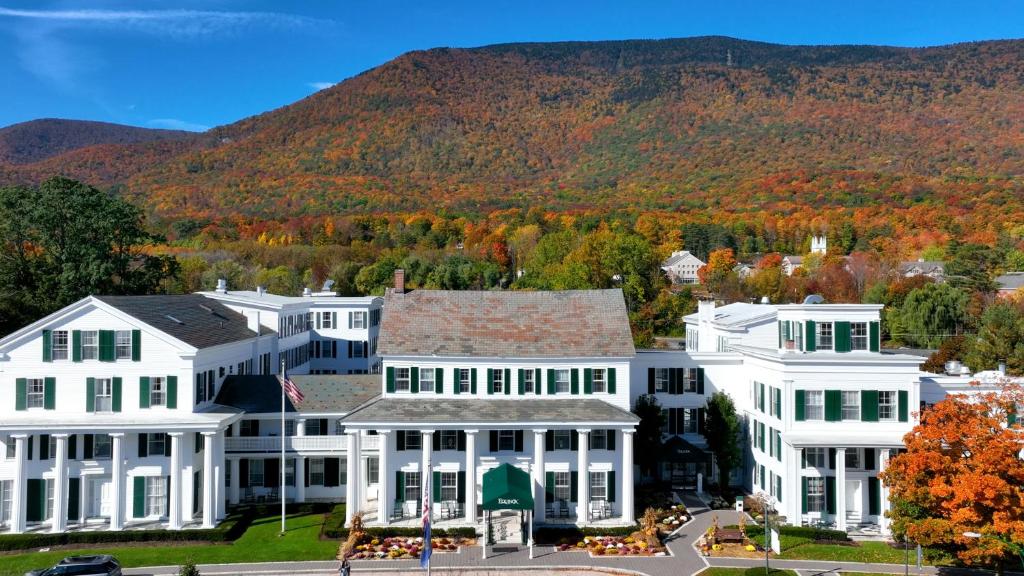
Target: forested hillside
x,y
37,140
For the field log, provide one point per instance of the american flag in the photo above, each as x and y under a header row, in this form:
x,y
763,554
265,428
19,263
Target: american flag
x,y
427,546
290,388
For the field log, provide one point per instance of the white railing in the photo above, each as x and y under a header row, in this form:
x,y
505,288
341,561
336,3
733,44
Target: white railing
x,y
296,443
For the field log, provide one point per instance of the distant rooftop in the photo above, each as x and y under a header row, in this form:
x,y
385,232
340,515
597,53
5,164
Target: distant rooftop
x,y
1010,281
325,394
737,313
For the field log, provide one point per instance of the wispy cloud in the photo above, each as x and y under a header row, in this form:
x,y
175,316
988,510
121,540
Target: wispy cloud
x,y
320,85
176,124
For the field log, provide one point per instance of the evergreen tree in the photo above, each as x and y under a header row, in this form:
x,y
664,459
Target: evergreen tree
x,y
722,431
648,433
1000,339
930,314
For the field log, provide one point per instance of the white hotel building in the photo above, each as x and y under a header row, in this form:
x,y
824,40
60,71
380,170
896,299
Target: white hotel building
x,y
163,411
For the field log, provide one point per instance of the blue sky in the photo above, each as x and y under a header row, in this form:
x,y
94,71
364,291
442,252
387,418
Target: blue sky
x,y
192,64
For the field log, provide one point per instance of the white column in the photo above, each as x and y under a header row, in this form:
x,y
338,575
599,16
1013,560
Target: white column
x,y
209,490
60,484
883,462
470,475
383,478
300,427
117,480
174,514
222,494
351,477
427,446
539,445
235,480
627,477
840,488
583,478
18,495
83,492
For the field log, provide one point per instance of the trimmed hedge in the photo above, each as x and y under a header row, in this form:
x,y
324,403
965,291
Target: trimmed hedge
x,y
793,536
334,527
555,535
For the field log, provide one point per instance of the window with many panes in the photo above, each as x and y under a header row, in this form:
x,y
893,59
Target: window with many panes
x,y
858,336
823,336
372,470
661,379
413,440
156,496
691,380
506,440
599,380
814,404
426,379
690,420
465,380
815,494
123,344
101,446
59,345
316,471
449,486
528,381
358,347
256,472
52,448
598,485
412,486
156,442
815,457
563,439
104,395
157,391
498,378
359,320
6,500
599,440
562,381
11,447
886,404
35,391
851,404
90,345
449,439
49,499
562,486
402,380
852,458
325,320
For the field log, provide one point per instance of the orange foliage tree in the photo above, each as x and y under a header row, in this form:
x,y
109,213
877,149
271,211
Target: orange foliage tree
x,y
962,474
718,269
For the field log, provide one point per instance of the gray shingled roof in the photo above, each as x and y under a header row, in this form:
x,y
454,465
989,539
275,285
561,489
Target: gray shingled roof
x,y
195,320
1010,281
506,324
460,413
323,394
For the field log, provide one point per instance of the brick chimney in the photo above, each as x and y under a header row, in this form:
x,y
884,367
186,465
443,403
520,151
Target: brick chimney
x,y
399,281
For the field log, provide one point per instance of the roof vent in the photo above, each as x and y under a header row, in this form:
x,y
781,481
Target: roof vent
x,y
765,300
328,284
173,319
814,299
953,367
260,290
307,292
222,286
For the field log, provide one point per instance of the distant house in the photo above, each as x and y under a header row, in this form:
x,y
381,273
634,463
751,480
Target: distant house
x,y
1009,284
791,263
681,267
933,269
743,270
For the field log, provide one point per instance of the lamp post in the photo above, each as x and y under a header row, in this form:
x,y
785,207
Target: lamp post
x,y
1017,548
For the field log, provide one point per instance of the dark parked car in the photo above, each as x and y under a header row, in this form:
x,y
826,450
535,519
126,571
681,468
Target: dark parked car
x,y
104,565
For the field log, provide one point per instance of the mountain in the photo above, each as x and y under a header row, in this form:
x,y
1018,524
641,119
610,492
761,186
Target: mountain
x,y
37,140
698,123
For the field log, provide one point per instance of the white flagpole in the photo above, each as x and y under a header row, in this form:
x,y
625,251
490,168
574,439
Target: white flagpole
x,y
283,487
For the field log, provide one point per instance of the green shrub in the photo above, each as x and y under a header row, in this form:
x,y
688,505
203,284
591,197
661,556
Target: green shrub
x,y
554,535
188,568
337,530
793,536
334,524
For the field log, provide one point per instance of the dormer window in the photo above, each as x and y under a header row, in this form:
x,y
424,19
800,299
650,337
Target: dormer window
x,y
403,383
858,335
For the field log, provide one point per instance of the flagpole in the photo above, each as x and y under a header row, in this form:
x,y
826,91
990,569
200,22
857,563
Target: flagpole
x,y
283,487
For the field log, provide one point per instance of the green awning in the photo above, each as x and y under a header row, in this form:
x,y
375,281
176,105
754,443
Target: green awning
x,y
679,451
507,488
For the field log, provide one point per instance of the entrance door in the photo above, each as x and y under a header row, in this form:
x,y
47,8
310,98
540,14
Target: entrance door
x,y
853,500
102,492
506,527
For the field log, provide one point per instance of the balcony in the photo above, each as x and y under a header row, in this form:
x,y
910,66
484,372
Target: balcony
x,y
272,444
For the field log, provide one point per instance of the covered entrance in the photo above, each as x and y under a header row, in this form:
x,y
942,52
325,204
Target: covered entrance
x,y
508,507
682,462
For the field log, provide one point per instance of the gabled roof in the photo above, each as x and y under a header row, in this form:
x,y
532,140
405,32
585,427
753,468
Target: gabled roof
x,y
926,265
459,413
738,314
506,324
678,257
194,319
1010,281
324,394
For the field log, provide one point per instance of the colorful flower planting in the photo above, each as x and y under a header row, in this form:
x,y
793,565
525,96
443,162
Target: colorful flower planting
x,y
672,517
614,546
403,548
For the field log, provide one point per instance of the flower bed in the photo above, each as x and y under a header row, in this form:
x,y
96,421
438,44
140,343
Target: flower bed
x,y
672,518
613,546
404,547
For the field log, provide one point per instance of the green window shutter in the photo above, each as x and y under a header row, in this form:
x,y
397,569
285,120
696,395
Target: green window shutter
x,y
778,403
87,440
508,381
551,380
611,439
760,401
869,405
391,379
44,446
780,338
439,380
611,485
90,394
536,381
778,445
575,382
762,477
460,441
549,441
106,345
74,494
830,494
874,337
903,408
73,447
400,440
799,409
874,497
810,344
116,401
522,382
139,497
76,345
673,381
414,377
574,487
493,440
832,458
549,487
31,447
650,381
143,445
144,391
472,381
460,488
833,405
435,487
841,338
490,380
700,380
49,393
869,458
574,441
172,391
20,393
399,485
47,346
436,440
588,381
778,488
136,345
243,473
611,380
803,458
35,499
457,380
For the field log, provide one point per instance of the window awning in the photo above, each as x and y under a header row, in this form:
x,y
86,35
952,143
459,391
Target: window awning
x,y
680,451
507,488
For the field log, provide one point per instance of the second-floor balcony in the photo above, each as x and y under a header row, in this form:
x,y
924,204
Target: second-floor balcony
x,y
272,444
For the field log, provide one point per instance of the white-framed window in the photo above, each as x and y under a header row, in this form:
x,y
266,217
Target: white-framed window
x,y
52,448
562,382
49,499
35,391
529,384
449,439
101,446
599,380
426,379
449,486
6,500
661,380
123,344
691,380
814,404
506,440
773,395
413,440
412,486
157,442
851,404
359,320
156,496
357,348
815,494
823,336
852,458
373,470
598,485
90,345
858,336
799,327
325,320
599,439
886,404
815,457
256,472
309,320
403,383
10,448
312,428
157,391
59,345
498,378
316,471
562,486
289,472
104,395
562,439
690,420
757,475
465,380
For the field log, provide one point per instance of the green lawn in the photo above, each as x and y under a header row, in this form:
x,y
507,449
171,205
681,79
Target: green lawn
x,y
260,543
878,552
759,571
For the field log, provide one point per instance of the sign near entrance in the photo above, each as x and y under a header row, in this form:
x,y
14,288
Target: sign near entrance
x,y
508,501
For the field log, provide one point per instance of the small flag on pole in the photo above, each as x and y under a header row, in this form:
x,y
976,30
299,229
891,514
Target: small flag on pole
x,y
427,546
290,388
